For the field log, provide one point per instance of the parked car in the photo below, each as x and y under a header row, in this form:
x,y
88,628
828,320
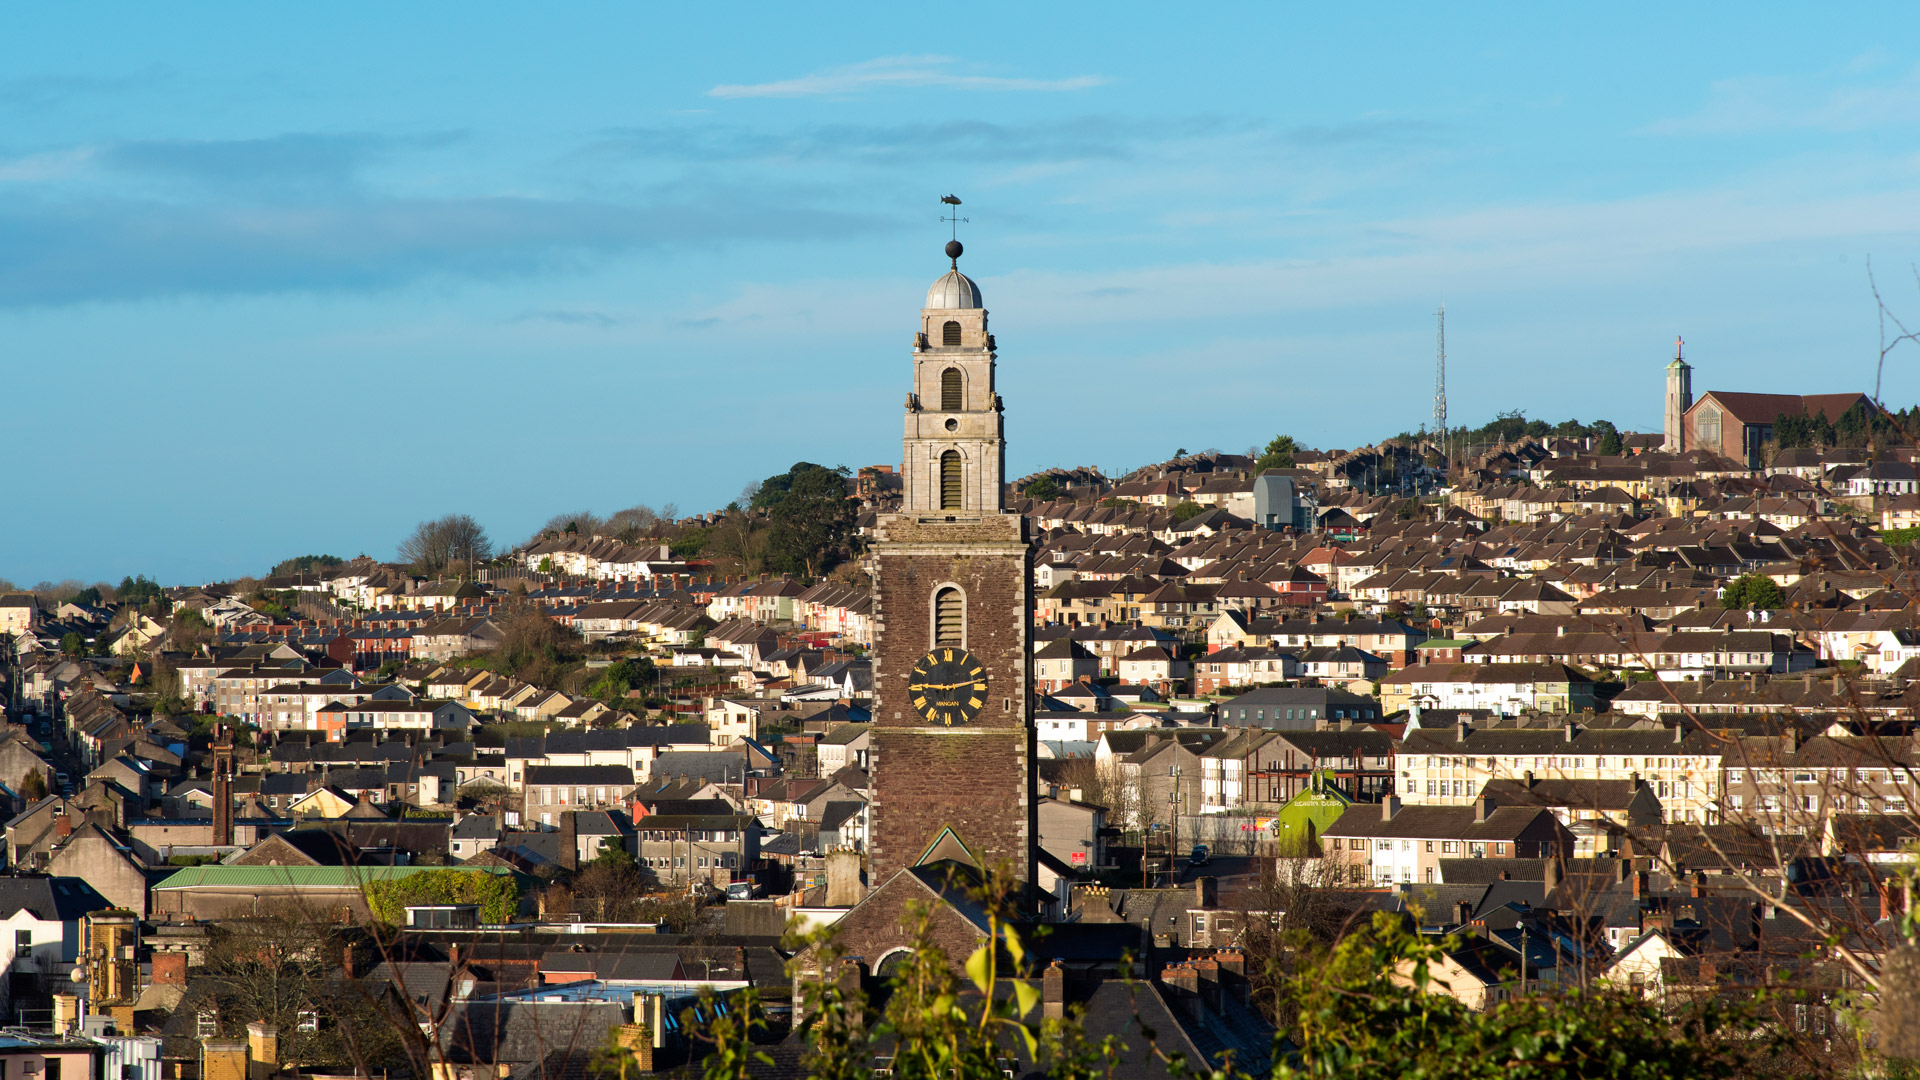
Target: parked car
x,y
1199,856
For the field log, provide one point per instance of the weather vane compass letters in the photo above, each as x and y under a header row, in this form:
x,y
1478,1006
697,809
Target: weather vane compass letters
x,y
952,218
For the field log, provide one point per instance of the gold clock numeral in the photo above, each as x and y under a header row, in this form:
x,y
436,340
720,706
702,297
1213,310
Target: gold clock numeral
x,y
948,657
920,703
975,703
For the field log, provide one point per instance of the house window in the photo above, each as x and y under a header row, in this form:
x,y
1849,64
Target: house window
x,y
950,498
22,940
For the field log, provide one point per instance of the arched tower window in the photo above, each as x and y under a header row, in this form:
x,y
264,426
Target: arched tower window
x,y
950,480
950,390
950,333
949,617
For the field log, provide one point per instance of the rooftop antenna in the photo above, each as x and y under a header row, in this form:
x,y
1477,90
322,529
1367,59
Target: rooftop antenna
x,y
1440,382
952,217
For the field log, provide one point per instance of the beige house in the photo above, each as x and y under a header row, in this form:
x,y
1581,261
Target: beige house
x,y
18,613
1479,974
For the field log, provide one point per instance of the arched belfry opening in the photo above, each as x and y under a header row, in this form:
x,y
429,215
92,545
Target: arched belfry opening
x,y
949,617
950,480
950,333
950,390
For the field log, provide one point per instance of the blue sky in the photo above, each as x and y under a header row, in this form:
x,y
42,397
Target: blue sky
x,y
275,281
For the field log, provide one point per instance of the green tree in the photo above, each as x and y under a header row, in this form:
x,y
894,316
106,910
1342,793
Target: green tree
x,y
1752,591
1371,1011
1044,489
1185,509
89,596
33,787
498,895
619,677
1278,454
305,564
73,644
809,517
1610,444
136,590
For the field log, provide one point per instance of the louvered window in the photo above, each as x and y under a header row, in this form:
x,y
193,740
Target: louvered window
x,y
950,333
950,480
948,618
950,389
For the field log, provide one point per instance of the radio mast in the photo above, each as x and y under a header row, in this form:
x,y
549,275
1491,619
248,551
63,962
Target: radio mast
x,y
1440,384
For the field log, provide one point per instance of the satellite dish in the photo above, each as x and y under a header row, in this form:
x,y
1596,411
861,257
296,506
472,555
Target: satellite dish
x,y
79,974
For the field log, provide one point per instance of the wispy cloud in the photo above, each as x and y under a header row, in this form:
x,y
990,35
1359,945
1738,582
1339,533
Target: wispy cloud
x,y
48,91
47,167
890,72
300,212
57,252
304,159
1076,138
1764,103
597,319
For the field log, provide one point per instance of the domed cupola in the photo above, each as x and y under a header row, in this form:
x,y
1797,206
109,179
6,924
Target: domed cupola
x,y
954,290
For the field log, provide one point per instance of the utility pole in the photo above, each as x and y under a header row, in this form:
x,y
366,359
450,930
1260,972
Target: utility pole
x,y
1173,837
1440,386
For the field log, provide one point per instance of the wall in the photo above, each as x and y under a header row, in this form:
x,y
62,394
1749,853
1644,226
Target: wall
x,y
976,778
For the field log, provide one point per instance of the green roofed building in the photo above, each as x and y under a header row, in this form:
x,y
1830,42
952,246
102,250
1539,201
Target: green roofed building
x,y
333,893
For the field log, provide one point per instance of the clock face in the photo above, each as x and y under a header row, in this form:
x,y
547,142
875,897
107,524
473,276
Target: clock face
x,y
948,686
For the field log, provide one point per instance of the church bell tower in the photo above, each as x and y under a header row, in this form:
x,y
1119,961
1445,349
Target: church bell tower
x,y
1679,400
953,749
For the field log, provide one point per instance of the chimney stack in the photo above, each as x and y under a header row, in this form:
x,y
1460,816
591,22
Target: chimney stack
x,y
263,1050
1482,806
1053,991
1389,806
1206,892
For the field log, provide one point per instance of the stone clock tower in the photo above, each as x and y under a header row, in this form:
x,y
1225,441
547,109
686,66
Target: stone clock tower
x,y
952,604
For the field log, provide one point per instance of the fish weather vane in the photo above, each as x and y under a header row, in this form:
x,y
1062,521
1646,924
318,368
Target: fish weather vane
x,y
952,217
